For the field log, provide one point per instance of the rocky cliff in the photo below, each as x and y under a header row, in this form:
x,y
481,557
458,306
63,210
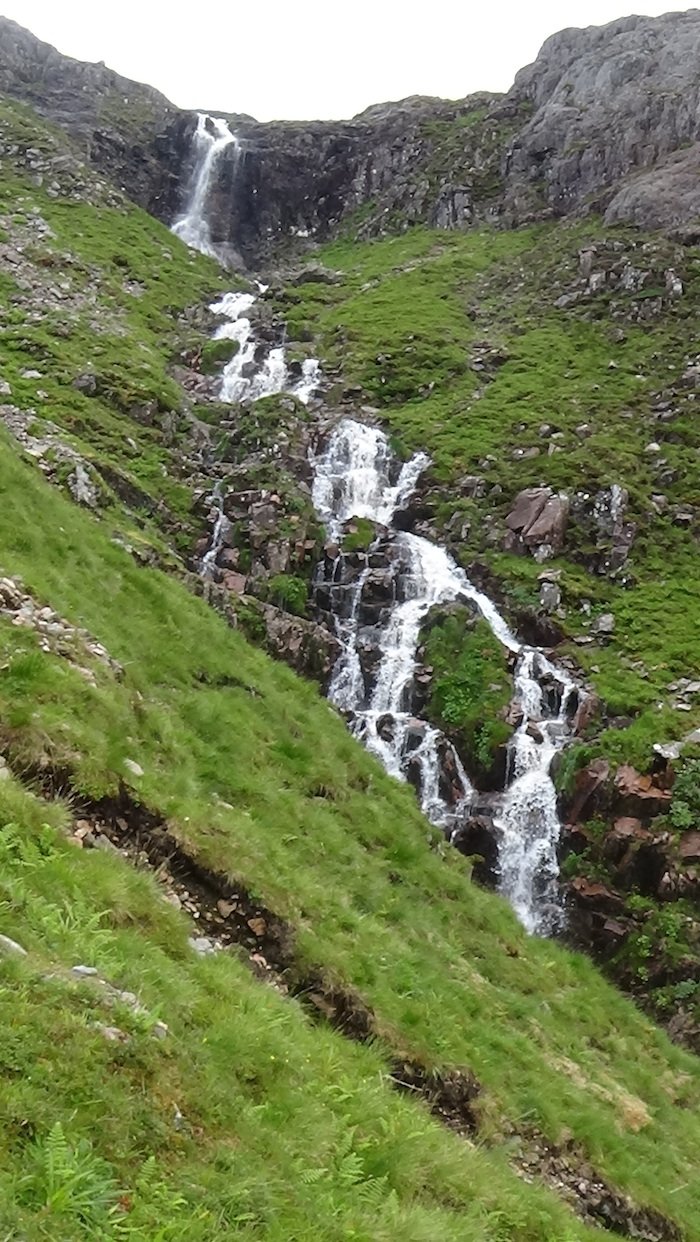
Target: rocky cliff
x,y
616,116
605,119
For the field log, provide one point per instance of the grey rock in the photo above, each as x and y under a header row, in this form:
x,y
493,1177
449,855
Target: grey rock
x,y
610,101
550,596
11,947
202,945
603,625
82,488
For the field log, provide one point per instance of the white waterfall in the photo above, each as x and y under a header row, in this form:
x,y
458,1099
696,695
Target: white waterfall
x,y
222,527
353,478
211,137
246,378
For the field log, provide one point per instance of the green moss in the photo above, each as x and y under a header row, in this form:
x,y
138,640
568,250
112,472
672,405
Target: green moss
x,y
359,535
471,689
290,593
216,354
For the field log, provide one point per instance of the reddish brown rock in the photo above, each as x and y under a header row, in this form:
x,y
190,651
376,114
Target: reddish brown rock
x,y
527,507
640,794
689,847
587,711
593,893
233,582
589,782
550,527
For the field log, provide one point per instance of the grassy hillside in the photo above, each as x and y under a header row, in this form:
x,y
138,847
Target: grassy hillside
x,y
252,1116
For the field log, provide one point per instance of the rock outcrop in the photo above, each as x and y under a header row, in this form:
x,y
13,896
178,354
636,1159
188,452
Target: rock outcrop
x,y
605,118
609,101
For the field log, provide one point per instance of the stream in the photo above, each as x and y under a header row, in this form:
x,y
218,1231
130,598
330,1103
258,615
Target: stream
x,y
356,475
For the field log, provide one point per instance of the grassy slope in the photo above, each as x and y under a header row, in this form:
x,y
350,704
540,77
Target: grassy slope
x,y
289,1132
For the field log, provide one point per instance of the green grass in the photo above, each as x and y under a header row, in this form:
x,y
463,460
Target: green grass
x,y
288,1131
471,689
102,319
414,323
335,846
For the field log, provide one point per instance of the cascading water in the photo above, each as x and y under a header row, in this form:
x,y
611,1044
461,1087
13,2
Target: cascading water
x,y
244,378
356,476
353,478
211,137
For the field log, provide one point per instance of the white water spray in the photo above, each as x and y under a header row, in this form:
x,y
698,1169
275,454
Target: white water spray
x,y
211,138
253,373
352,478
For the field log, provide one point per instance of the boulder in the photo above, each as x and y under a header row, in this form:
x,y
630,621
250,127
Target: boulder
x,y
478,839
537,522
689,847
640,795
589,789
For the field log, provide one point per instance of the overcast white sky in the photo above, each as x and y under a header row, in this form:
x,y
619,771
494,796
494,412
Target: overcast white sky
x,y
312,58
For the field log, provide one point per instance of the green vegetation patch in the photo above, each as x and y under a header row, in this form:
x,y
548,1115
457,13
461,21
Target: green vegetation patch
x,y
471,689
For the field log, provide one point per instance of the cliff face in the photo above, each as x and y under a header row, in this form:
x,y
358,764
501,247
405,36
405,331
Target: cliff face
x,y
608,102
419,161
113,120
605,119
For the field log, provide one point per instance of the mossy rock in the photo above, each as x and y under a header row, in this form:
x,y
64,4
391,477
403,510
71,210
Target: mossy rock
x,y
216,354
471,689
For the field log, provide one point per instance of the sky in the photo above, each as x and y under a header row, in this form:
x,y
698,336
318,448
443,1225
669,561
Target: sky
x,y
312,59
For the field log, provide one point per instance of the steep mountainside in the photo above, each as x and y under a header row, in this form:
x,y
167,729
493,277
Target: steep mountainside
x,y
248,990
605,120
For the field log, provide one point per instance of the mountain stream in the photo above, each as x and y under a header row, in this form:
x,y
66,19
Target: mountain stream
x,y
355,475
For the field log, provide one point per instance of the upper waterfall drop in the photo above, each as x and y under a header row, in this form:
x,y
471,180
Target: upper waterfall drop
x,y
211,138
356,475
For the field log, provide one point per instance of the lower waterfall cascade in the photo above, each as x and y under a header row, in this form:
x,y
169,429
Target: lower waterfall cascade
x,y
357,476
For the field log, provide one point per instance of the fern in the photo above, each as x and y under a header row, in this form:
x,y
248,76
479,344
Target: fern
x,y
70,1183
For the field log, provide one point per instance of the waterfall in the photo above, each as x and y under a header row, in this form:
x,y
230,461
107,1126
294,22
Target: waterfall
x,y
222,526
211,137
356,475
246,379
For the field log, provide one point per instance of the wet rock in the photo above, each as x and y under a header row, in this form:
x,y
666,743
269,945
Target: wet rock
x,y
478,840
593,893
589,790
